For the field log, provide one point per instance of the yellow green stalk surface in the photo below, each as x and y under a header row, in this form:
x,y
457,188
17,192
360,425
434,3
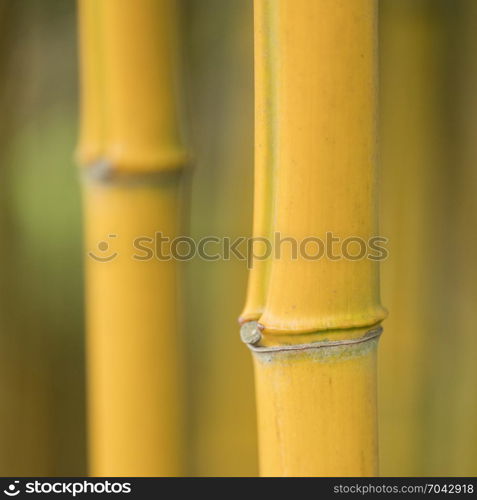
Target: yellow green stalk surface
x,y
315,159
131,150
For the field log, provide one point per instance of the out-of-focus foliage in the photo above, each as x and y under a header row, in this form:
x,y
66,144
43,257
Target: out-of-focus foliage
x,y
42,424
428,397
220,68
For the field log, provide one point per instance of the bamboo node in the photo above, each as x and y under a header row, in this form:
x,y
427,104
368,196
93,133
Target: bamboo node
x,y
102,171
369,335
250,333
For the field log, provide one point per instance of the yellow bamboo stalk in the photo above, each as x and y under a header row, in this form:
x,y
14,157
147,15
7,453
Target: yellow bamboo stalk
x,y
263,172
91,125
315,344
131,149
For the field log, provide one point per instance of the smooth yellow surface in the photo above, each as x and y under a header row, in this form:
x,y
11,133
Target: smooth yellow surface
x,y
325,95
129,87
132,190
315,159
264,126
133,348
91,134
317,412
140,67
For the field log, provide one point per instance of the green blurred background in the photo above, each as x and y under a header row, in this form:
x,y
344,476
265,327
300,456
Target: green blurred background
x,y
428,374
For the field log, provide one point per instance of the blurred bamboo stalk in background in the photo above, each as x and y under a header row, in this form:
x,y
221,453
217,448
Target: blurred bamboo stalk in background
x,y
415,160
222,435
131,149
315,344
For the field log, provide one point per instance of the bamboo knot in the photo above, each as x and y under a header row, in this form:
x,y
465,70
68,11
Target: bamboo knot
x,y
251,334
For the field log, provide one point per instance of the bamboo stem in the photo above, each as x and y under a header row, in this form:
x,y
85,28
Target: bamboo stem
x,y
317,410
130,144
264,157
317,403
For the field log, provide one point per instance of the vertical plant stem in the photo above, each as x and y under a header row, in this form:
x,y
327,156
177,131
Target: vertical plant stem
x,y
132,153
316,397
264,59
